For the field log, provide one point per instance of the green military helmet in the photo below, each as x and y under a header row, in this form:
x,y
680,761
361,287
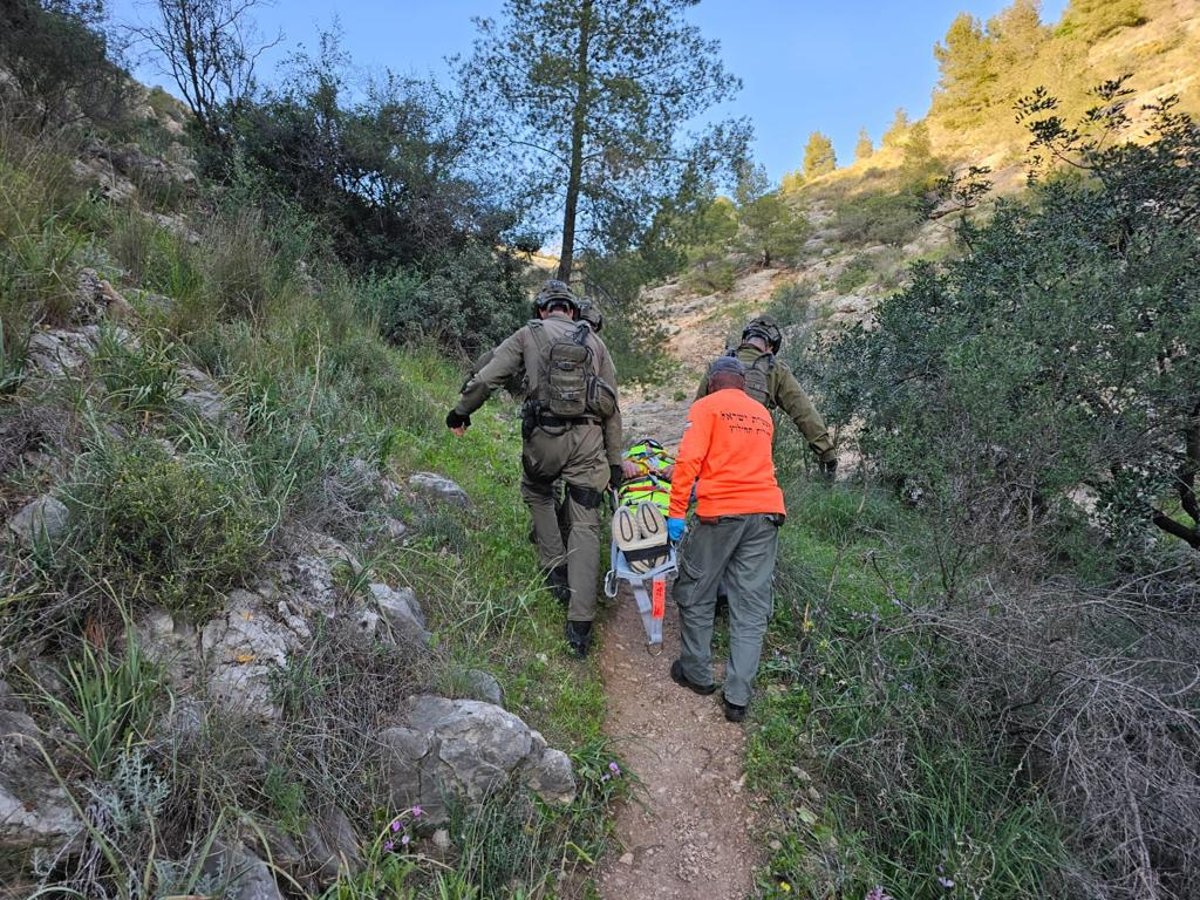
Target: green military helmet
x,y
555,292
764,328
590,313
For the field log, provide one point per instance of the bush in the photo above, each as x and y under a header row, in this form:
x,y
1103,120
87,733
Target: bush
x,y
471,301
890,218
58,54
160,527
1058,359
856,273
711,278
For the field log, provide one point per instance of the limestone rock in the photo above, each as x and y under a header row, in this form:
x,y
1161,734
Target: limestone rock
x,y
242,875
467,749
331,845
34,809
41,521
483,686
439,488
402,611
242,649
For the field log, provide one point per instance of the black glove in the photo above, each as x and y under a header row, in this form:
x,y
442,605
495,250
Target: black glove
x,y
454,420
828,468
615,477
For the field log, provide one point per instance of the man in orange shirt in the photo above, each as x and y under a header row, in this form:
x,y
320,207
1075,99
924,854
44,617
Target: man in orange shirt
x,y
726,455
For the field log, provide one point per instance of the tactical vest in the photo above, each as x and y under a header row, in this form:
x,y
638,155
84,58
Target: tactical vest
x,y
568,386
758,378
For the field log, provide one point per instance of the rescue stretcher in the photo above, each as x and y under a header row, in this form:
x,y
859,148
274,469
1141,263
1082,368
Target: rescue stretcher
x,y
646,570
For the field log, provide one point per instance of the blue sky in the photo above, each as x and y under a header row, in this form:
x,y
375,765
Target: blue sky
x,y
806,65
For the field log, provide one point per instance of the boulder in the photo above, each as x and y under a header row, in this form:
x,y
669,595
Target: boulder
x,y
41,521
240,873
483,686
34,809
242,649
331,845
402,611
439,489
207,405
467,749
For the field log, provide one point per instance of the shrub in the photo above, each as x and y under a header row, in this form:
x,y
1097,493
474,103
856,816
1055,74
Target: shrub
x,y
884,218
172,529
470,301
711,278
856,273
59,56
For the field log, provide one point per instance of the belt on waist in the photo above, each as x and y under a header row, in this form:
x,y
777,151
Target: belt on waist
x,y
556,422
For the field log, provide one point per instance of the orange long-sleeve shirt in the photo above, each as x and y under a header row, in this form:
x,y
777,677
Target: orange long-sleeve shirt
x,y
727,447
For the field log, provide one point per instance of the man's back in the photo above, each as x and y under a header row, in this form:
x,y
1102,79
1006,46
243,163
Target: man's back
x,y
726,447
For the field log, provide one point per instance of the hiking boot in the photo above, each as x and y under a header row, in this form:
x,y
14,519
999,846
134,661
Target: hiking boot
x,y
680,679
579,638
556,581
733,712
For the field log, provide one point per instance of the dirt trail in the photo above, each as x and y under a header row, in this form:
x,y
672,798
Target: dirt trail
x,y
687,833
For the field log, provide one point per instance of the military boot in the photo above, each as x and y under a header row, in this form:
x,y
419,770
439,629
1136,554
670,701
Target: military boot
x,y
556,581
579,638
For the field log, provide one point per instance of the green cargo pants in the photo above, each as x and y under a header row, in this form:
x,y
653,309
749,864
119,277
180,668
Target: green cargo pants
x,y
576,455
741,551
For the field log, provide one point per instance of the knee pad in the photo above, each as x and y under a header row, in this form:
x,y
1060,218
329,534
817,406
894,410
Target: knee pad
x,y
588,498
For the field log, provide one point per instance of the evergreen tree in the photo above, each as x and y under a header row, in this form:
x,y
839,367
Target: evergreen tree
x,y
819,158
966,65
897,132
770,226
588,97
864,148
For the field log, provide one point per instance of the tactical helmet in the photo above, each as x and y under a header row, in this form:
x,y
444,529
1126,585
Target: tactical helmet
x,y
766,329
590,313
555,291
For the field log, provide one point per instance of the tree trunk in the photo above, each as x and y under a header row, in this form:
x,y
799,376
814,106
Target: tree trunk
x,y
578,131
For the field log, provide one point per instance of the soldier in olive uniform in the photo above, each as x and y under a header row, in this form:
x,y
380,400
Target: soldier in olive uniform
x,y
583,450
771,383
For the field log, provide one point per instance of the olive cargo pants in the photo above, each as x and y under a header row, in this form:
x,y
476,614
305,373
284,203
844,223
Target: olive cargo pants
x,y
576,455
741,551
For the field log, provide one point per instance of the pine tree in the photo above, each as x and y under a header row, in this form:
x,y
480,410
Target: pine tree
x,y
965,61
864,148
897,132
819,158
588,97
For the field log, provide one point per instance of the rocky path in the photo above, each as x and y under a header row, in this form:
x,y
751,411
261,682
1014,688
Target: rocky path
x,y
686,834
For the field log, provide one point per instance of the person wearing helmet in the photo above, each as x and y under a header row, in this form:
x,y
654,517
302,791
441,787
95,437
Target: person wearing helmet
x,y
590,313
571,431
770,381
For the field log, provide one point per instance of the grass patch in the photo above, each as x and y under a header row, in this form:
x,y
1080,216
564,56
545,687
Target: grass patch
x,y
875,778
173,528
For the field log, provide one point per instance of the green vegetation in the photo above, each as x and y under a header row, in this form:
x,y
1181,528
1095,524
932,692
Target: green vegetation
x,y
249,300
1033,401
819,158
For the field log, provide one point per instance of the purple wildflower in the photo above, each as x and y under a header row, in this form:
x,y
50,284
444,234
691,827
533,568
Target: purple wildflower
x,y
416,811
614,768
395,825
388,845
877,893
947,883
404,841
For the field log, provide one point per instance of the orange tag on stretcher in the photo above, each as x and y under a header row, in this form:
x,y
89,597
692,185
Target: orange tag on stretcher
x,y
658,597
